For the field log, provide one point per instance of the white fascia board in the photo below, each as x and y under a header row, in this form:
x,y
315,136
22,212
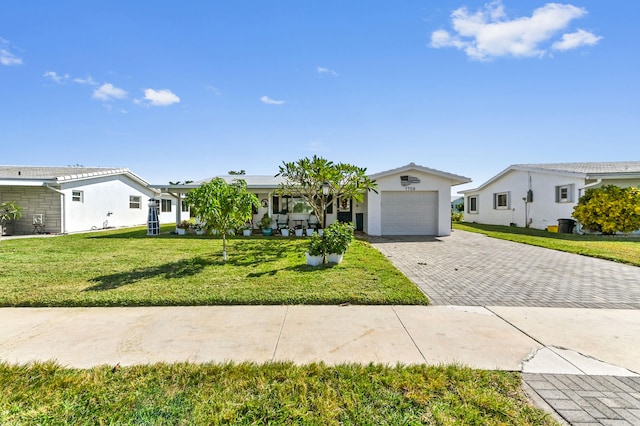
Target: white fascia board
x,y
26,182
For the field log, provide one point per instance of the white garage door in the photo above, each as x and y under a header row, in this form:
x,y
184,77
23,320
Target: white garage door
x,y
409,213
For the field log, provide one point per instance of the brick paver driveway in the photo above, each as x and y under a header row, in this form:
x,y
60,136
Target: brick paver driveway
x,y
472,269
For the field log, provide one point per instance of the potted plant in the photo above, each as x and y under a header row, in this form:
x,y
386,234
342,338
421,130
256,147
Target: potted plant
x,y
246,229
337,237
182,227
285,231
9,211
199,228
299,231
265,224
316,251
310,231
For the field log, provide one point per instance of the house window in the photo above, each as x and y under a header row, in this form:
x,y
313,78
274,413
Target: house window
x,y
184,206
135,202
472,204
165,206
501,201
564,193
77,196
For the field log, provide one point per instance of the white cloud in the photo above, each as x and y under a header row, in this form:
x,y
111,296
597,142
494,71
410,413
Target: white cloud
x,y
163,97
90,81
488,33
6,57
323,70
55,77
267,100
108,91
577,39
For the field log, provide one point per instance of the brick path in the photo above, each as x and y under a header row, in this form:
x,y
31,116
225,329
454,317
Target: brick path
x,y
471,269
590,400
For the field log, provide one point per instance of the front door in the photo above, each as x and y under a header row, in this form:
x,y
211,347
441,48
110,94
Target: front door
x,y
345,214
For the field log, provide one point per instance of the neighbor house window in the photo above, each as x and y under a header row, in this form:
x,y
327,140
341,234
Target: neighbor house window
x,y
135,202
564,193
77,196
472,204
501,200
184,206
166,206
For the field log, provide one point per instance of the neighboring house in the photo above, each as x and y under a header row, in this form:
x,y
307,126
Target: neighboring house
x,y
540,194
455,202
411,200
73,199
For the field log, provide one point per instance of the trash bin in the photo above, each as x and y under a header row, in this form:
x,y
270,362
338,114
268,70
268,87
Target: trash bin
x,y
565,226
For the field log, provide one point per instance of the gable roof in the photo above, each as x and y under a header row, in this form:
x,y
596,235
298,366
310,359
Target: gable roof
x,y
455,179
40,175
587,170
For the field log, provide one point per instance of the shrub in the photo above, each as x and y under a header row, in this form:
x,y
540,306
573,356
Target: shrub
x,y
609,209
457,216
338,236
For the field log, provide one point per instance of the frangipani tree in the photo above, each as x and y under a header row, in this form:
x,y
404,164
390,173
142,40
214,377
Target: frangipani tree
x,y
305,178
223,206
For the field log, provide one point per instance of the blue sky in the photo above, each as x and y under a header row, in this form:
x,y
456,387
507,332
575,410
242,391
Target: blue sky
x,y
188,90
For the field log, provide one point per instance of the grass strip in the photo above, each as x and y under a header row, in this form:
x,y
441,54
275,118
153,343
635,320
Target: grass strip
x,y
276,393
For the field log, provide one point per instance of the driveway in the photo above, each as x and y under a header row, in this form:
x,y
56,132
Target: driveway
x,y
470,269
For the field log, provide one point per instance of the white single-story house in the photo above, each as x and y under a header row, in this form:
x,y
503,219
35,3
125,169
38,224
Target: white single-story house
x,y
538,195
410,200
73,199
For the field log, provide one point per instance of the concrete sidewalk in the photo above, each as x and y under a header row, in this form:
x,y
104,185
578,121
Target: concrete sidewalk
x,y
533,340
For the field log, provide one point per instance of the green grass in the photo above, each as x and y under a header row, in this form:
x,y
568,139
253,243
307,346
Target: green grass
x,y
623,249
127,268
278,393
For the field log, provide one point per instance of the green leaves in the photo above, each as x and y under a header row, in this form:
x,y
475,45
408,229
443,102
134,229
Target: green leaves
x,y
306,177
609,209
223,206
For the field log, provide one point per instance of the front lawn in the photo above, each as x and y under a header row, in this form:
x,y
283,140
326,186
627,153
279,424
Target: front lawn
x,y
624,249
127,268
278,393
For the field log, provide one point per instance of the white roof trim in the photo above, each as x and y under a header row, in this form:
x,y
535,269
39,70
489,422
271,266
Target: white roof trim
x,y
457,179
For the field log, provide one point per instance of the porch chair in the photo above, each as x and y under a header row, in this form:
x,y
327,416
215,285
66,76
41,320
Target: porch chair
x,y
38,224
283,221
313,221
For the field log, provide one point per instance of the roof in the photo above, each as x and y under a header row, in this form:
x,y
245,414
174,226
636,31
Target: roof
x,y
253,181
455,179
588,170
57,175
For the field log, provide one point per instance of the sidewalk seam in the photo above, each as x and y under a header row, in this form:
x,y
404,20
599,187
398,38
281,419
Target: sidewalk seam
x,y
275,349
409,334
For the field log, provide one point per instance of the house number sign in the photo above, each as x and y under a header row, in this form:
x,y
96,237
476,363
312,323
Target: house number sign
x,y
409,188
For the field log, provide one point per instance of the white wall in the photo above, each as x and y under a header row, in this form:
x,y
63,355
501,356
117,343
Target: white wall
x,y
170,217
428,182
543,211
101,196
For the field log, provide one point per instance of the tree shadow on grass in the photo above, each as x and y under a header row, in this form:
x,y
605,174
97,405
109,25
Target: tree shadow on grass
x,y
179,269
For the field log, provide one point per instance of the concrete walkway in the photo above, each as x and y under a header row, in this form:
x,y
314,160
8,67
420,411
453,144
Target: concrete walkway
x,y
503,338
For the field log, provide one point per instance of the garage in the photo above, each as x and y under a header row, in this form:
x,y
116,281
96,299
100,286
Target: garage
x,y
409,212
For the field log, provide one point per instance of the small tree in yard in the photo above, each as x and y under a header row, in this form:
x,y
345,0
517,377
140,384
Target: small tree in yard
x,y
609,209
223,206
305,178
